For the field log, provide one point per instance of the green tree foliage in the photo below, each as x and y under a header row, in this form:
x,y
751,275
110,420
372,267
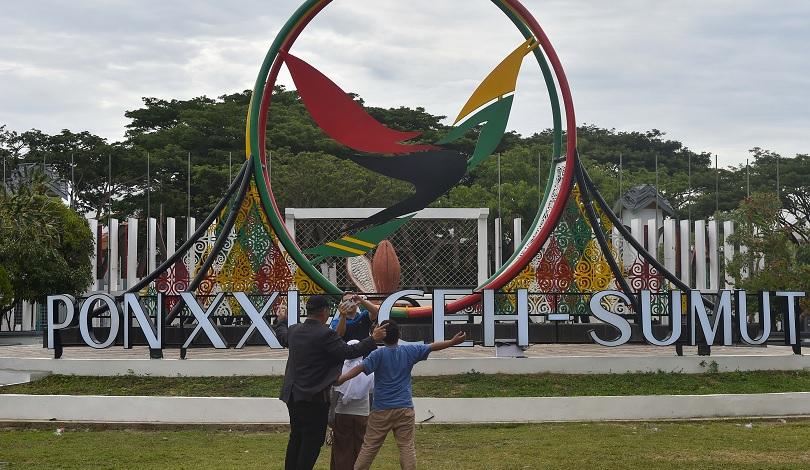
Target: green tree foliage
x,y
309,169
774,260
45,246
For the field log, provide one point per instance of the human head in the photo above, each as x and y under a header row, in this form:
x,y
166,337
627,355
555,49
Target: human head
x,y
318,307
391,332
348,296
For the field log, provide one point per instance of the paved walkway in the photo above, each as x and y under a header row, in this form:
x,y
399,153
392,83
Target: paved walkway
x,y
259,352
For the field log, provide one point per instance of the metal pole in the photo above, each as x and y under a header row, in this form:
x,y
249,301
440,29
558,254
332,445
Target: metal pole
x,y
109,189
230,164
747,179
621,186
188,194
72,182
656,195
148,188
148,207
716,186
109,222
691,199
499,187
778,192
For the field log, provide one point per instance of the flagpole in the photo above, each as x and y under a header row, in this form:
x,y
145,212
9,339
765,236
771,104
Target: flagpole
x,y
72,182
716,186
691,201
656,197
747,179
148,208
188,195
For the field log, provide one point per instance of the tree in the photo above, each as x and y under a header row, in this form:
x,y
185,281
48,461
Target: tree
x,y
774,260
45,247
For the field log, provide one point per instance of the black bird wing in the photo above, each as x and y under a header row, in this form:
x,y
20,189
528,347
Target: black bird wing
x,y
432,173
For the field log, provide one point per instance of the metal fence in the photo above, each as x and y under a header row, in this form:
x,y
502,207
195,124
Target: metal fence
x,y
437,249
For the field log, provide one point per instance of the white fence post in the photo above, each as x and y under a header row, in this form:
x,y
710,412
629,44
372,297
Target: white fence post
x,y
700,255
151,253
483,258
498,243
652,238
669,245
728,251
93,224
171,236
112,243
686,253
191,227
638,233
714,261
132,252
289,221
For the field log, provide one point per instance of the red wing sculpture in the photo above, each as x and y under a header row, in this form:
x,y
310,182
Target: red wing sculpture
x,y
341,117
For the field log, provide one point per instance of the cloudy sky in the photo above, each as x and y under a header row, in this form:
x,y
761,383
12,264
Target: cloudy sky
x,y
719,75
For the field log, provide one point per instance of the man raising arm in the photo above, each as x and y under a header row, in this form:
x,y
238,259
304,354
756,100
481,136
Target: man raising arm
x,y
314,359
393,398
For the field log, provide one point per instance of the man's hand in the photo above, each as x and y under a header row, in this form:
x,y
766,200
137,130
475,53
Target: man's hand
x,y
379,333
458,338
344,308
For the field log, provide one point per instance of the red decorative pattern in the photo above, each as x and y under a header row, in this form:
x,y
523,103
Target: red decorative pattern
x,y
553,272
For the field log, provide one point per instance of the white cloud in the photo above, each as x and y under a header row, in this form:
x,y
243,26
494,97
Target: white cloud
x,y
721,76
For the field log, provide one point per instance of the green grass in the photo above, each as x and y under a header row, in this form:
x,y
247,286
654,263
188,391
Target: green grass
x,y
665,445
458,386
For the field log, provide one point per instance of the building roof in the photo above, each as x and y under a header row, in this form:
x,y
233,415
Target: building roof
x,y
23,174
642,197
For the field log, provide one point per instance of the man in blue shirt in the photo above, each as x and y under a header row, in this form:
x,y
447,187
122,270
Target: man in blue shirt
x,y
355,317
393,402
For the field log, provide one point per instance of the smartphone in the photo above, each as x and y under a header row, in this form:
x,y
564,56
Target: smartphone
x,y
347,304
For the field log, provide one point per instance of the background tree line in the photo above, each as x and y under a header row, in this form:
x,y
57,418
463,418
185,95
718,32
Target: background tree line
x,y
311,170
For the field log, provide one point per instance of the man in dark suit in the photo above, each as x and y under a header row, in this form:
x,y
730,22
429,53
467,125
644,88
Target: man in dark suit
x,y
314,362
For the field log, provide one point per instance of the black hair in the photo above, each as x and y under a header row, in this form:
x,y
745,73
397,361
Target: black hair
x,y
317,303
391,332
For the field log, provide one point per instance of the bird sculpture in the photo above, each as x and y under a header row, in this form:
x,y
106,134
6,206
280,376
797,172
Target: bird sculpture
x,y
432,169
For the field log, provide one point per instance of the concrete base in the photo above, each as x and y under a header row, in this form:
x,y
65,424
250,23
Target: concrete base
x,y
431,367
12,377
197,410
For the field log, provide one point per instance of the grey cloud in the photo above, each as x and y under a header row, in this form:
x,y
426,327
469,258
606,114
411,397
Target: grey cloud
x,y
722,76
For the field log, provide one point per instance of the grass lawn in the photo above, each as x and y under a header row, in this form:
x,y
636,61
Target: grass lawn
x,y
458,386
698,445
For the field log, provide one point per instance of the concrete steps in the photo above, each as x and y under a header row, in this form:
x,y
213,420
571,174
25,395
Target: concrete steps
x,y
11,377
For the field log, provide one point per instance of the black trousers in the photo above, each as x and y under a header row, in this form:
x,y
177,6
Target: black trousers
x,y
308,421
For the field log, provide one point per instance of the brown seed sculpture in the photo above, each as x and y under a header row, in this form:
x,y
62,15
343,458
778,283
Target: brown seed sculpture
x,y
385,268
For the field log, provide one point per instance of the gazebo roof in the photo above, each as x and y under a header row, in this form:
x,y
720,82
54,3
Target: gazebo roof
x,y
642,197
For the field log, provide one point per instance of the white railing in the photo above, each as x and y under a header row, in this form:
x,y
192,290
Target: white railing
x,y
696,252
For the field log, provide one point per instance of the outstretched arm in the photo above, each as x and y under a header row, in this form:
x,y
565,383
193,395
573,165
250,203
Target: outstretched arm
x,y
373,309
341,326
457,339
350,374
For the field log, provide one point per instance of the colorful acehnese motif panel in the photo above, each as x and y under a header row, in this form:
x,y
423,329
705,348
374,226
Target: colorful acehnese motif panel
x,y
252,260
572,263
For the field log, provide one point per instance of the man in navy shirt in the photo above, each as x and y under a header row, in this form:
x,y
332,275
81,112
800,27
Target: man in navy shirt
x,y
393,402
355,317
